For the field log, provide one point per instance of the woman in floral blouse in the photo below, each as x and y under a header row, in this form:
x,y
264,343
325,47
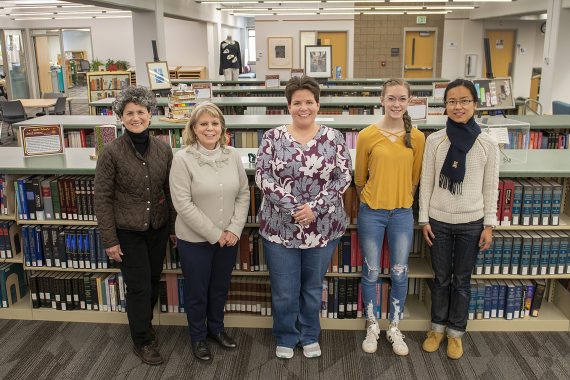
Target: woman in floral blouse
x,y
303,169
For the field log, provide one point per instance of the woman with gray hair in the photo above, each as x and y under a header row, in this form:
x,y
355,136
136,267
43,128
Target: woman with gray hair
x,y
211,195
134,211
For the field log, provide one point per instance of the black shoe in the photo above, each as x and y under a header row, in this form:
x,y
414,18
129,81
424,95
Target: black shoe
x,y
201,351
223,340
153,336
148,354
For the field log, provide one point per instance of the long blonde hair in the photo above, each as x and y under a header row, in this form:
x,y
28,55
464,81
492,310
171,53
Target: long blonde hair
x,y
189,136
406,117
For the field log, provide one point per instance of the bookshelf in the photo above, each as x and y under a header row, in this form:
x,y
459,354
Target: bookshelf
x,y
189,72
105,84
554,313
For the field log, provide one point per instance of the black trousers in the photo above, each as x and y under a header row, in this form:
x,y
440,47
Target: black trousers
x,y
143,255
207,270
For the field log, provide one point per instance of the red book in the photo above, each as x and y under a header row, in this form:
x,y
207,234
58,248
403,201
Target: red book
x,y
507,202
500,200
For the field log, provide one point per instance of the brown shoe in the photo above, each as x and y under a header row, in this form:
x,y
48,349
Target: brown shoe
x,y
454,347
148,354
432,341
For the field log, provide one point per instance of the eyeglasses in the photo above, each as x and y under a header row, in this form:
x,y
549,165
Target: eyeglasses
x,y
393,100
463,102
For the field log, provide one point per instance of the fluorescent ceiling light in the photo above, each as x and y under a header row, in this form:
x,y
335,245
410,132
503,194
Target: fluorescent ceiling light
x,y
382,13
482,1
451,7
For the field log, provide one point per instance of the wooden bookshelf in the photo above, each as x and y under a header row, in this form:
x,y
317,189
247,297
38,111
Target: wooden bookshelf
x,y
105,84
190,72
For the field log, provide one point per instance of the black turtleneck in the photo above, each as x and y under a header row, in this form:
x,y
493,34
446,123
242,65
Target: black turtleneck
x,y
140,140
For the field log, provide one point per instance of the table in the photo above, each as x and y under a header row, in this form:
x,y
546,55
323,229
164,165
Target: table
x,y
38,103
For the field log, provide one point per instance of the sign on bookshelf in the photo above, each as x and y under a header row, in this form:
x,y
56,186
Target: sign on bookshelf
x,y
42,140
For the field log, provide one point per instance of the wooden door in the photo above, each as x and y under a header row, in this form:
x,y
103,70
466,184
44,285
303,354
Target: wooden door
x,y
502,48
418,54
42,62
338,41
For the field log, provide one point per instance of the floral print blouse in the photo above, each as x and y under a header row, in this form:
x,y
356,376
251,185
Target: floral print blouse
x,y
291,174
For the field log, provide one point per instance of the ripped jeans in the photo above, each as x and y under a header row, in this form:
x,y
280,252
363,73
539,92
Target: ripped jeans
x,y
399,227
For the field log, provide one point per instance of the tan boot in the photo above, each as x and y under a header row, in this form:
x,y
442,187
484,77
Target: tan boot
x,y
432,341
454,348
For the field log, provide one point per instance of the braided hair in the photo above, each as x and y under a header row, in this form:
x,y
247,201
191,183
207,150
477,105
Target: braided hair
x,y
407,119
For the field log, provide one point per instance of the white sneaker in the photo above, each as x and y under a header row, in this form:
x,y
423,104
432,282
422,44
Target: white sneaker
x,y
284,352
312,350
370,343
395,336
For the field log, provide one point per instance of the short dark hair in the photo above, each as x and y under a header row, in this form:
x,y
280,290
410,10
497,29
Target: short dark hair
x,y
302,83
465,83
139,95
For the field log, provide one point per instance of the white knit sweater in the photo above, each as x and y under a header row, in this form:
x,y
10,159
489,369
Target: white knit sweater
x,y
480,186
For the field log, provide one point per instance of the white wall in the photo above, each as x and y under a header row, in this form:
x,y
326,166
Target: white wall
x,y
186,42
265,27
538,49
467,38
77,40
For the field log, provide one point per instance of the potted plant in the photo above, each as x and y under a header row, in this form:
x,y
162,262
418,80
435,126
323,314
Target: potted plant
x,y
96,64
110,65
122,65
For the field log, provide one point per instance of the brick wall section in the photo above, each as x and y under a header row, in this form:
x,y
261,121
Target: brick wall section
x,y
375,35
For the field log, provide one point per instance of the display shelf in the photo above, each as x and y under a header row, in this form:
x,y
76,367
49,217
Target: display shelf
x,y
550,318
564,225
20,310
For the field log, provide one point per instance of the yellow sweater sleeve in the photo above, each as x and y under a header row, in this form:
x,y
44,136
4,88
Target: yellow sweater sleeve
x,y
361,161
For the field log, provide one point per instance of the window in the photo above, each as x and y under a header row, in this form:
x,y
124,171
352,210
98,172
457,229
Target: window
x,y
250,51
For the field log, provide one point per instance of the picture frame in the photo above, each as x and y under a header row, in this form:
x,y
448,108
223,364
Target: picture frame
x,y
279,52
318,61
158,75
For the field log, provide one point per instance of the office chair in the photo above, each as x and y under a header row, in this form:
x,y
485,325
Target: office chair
x,y
59,108
12,112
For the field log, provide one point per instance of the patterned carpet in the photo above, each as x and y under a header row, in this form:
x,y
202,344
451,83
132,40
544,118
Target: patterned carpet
x,y
54,350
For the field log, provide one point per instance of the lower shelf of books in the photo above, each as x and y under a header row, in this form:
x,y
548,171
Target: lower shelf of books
x,y
551,318
18,310
47,314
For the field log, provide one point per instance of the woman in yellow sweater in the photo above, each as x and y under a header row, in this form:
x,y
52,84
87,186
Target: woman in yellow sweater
x,y
388,164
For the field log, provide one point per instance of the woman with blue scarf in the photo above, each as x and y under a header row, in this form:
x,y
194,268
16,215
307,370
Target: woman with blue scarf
x,y
458,207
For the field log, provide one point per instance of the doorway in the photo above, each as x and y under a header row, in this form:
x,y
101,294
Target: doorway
x,y
502,49
419,53
49,71
15,66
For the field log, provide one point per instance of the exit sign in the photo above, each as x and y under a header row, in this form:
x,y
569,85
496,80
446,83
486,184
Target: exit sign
x,y
421,19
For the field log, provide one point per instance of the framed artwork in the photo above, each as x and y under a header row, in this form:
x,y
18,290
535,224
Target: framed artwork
x,y
158,76
318,61
280,52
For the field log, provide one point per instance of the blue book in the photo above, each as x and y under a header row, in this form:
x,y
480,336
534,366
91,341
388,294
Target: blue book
x,y
22,198
497,252
38,246
488,299
26,245
74,244
518,299
494,298
556,201
517,202
536,249
92,248
472,300
345,244
546,202
516,253
488,260
479,262
507,252
526,212
68,248
501,298
563,261
510,300
554,251
536,202
528,297
480,305
544,253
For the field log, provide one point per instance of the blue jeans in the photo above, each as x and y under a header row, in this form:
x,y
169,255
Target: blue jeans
x,y
296,277
398,224
453,255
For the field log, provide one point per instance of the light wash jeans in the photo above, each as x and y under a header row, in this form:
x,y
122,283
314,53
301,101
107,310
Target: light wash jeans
x,y
296,277
398,224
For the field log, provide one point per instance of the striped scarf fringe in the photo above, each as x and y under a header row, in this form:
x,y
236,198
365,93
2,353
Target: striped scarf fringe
x,y
455,188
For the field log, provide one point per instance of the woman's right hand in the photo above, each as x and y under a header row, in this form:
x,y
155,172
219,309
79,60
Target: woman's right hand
x,y
115,253
428,235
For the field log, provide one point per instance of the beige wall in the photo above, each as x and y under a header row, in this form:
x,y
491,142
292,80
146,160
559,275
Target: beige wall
x,y
375,35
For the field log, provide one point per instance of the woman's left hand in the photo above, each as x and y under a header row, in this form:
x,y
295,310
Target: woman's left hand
x,y
304,215
231,238
173,240
486,239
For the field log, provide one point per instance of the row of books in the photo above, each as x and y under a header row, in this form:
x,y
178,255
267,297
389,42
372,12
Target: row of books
x,y
4,195
114,83
78,291
58,197
13,284
537,140
508,299
529,202
172,137
104,94
525,253
9,239
83,138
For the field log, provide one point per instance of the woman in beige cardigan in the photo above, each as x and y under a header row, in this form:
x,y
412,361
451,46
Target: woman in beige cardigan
x,y
211,195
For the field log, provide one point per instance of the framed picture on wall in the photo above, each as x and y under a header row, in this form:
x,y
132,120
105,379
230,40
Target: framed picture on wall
x,y
280,52
318,61
158,76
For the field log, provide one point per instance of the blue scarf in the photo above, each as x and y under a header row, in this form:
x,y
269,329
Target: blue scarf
x,y
462,137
